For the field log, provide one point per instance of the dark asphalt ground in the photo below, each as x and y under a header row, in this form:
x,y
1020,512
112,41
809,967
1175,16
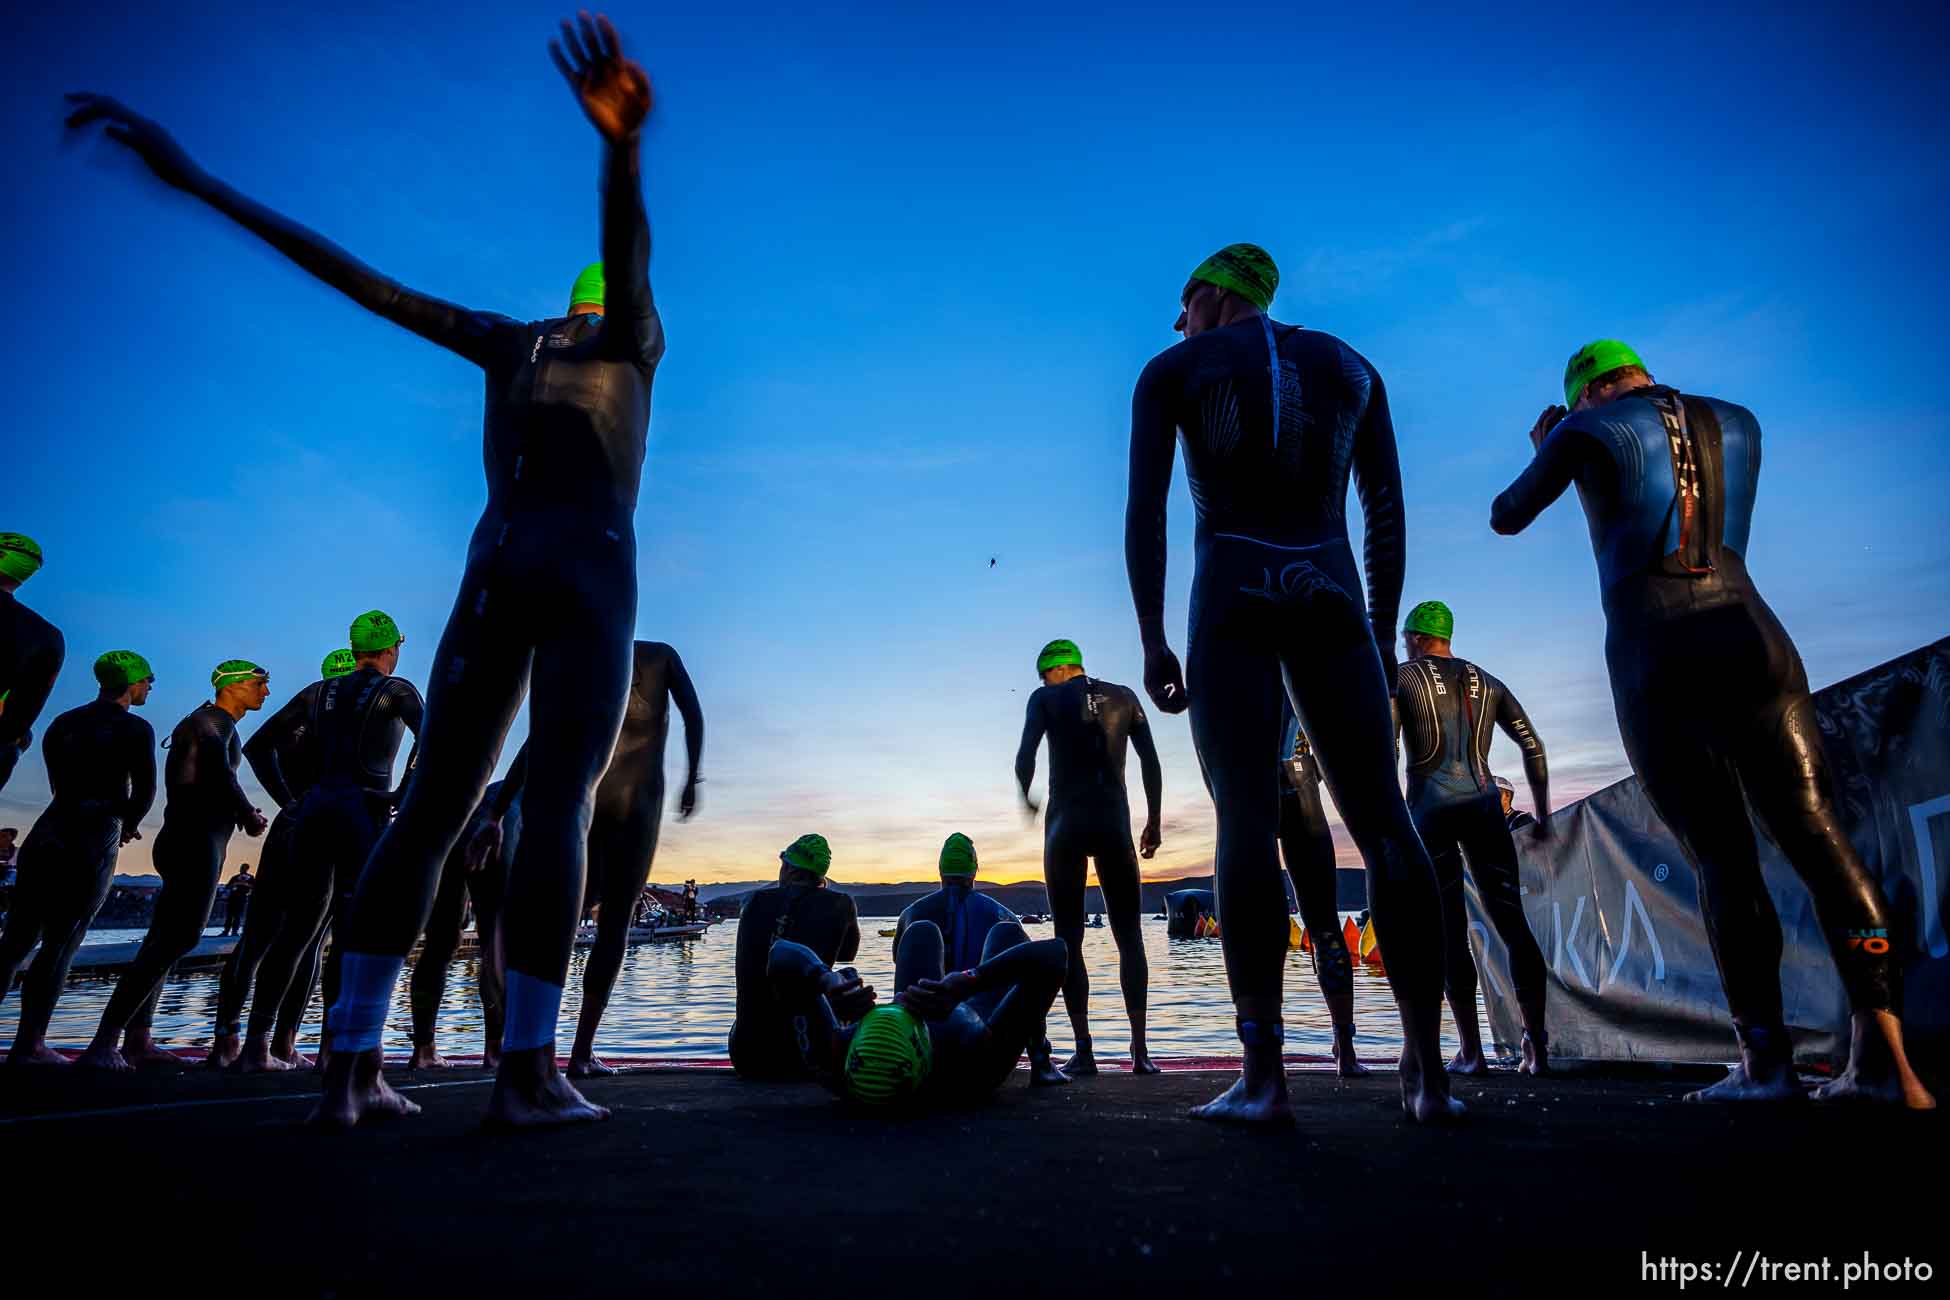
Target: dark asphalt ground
x,y
704,1185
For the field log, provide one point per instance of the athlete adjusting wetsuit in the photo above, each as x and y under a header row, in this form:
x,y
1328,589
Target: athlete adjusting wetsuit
x,y
624,822
975,1046
31,653
1089,724
101,767
765,1034
1450,709
204,806
1308,847
1273,418
1711,696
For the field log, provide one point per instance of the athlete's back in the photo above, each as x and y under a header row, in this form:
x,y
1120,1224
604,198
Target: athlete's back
x,y
1089,724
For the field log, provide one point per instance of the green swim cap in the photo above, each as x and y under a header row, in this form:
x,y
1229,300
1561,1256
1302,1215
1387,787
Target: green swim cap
x,y
958,855
809,853
1245,269
121,669
374,631
1592,360
1431,618
588,286
20,556
338,664
889,1057
236,670
1056,654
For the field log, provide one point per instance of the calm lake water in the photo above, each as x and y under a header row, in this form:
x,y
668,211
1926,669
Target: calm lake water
x,y
675,999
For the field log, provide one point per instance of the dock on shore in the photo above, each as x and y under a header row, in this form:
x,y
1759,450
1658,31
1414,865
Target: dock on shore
x,y
702,1184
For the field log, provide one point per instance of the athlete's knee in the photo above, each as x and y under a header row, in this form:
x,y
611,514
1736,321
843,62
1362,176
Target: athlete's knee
x,y
1002,936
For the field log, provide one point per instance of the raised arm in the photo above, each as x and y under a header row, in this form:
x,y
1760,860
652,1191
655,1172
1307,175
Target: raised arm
x,y
1384,521
1562,449
1032,736
477,336
684,695
1516,725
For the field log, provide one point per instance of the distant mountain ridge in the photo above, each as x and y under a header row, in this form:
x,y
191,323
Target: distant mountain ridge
x,y
1023,897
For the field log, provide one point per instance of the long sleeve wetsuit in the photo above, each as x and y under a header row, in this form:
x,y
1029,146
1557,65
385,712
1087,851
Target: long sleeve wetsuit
x,y
1273,420
975,1046
204,805
1449,710
1308,847
31,653
963,914
101,767
1711,695
765,1036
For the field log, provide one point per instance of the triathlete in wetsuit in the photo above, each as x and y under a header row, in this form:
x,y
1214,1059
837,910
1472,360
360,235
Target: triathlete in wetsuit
x,y
623,824
1273,418
31,651
801,909
1513,817
205,804
1712,701
1449,710
283,754
480,877
1088,723
965,919
948,1037
101,768
550,586
1308,847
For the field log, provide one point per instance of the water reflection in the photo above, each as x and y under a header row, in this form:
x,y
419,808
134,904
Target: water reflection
x,y
675,999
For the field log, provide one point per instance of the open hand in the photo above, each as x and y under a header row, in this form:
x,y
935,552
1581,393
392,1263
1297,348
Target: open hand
x,y
1164,680
1149,839
151,143
1545,423
613,90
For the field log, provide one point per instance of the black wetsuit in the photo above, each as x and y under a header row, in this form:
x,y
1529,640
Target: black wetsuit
x,y
1088,814
975,1046
963,914
1450,709
1518,819
1308,847
629,805
357,725
205,804
283,753
237,902
458,885
1268,452
1711,695
765,1036
550,584
101,766
31,652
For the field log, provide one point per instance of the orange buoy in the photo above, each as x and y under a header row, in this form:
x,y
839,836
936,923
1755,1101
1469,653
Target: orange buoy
x,y
1295,938
1370,947
1306,940
1352,934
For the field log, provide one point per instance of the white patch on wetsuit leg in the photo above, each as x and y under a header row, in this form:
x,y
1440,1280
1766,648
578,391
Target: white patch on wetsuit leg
x,y
358,1019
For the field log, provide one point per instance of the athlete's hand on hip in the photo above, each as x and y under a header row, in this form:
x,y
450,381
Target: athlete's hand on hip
x,y
155,146
1149,839
1164,680
613,90
1545,423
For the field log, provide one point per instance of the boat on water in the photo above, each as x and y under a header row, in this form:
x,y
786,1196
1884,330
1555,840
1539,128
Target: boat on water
x,y
1035,918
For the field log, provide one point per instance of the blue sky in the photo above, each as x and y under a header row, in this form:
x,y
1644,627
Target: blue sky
x,y
911,259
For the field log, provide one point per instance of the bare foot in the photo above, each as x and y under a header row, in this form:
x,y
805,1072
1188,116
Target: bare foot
x,y
35,1053
103,1056
257,1058
1776,1084
1346,1063
1260,1102
1464,1063
1536,1058
1081,1064
224,1050
1141,1063
589,1066
355,1087
427,1057
490,1060
1878,1066
1426,1097
529,1092
1044,1074
139,1052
